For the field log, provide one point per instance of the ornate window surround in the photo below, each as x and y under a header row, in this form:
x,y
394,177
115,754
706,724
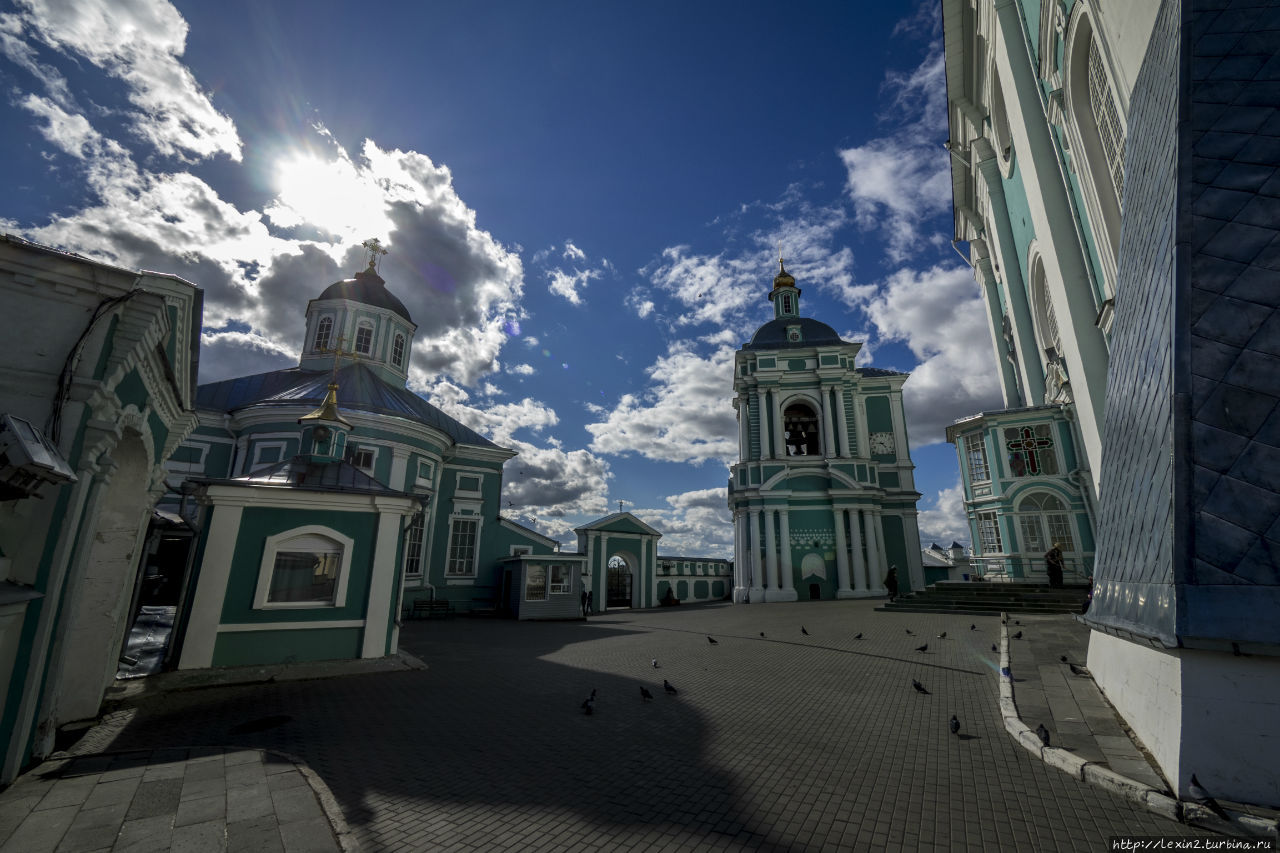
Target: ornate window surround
x,y
280,542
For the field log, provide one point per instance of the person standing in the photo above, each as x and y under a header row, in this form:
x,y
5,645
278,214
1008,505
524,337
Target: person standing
x,y
1054,565
584,602
891,582
590,601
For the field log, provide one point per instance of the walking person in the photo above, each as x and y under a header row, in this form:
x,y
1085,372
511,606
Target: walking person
x,y
891,582
591,595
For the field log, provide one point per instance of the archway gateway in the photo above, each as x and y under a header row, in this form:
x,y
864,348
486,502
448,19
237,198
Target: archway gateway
x,y
619,586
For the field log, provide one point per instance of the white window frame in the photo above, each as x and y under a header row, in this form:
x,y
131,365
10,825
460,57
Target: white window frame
x,y
565,585
546,581
978,439
419,524
475,548
363,325
398,349
372,449
429,479
196,467
279,542
469,493
260,446
328,338
983,540
521,550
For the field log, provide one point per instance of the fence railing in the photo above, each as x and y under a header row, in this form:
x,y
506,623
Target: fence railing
x,y
1030,569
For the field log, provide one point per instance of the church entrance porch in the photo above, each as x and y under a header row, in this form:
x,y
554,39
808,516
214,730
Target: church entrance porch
x,y
619,585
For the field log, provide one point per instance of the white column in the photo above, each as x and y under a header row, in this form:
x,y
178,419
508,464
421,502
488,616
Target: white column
x,y
382,593
843,421
877,522
788,591
860,415
828,427
859,564
875,557
775,427
765,426
744,418
211,590
842,556
770,557
400,468
739,559
753,548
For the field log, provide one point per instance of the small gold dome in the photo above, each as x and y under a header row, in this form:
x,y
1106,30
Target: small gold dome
x,y
783,278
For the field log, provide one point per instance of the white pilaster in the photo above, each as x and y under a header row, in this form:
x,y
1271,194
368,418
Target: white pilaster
x,y
775,426
843,420
860,415
860,589
788,590
744,417
828,426
206,605
875,557
399,468
770,556
757,572
378,610
842,556
877,522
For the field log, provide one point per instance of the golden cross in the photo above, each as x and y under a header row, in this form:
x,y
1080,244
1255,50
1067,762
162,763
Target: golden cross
x,y
374,247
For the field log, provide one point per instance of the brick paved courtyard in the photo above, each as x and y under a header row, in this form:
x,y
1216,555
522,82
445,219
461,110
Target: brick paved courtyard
x,y
784,742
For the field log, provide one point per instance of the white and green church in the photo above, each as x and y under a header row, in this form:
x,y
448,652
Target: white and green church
x,y
823,496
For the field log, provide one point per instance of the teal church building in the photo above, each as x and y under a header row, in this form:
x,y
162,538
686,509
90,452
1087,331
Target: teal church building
x,y
330,497
823,494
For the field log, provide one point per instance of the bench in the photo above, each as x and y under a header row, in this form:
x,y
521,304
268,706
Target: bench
x,y
425,608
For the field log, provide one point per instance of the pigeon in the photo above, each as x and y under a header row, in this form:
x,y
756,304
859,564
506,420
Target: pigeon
x,y
942,636
1043,734
993,648
918,686
803,631
955,725
1004,620
655,663
587,705
671,691
645,695
763,636
909,631
1017,621
712,641
1075,670
973,627
1018,636
923,648
1201,796
1063,658
858,636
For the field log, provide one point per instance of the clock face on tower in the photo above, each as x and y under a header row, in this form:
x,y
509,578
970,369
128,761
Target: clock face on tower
x,y
882,442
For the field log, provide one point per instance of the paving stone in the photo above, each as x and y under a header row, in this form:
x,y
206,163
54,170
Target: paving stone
x,y
153,799
247,802
206,837
106,793
145,835
41,830
200,810
309,836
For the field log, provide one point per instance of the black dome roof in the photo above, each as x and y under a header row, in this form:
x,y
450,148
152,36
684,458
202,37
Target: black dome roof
x,y
369,288
813,333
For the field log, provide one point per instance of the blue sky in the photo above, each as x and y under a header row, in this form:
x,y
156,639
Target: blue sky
x,y
583,203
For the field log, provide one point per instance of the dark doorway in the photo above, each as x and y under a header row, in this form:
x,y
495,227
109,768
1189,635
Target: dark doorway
x,y
815,592
619,587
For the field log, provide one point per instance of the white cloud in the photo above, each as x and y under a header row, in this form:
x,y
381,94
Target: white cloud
x,y
140,44
899,181
522,369
938,313
685,416
70,132
569,283
945,522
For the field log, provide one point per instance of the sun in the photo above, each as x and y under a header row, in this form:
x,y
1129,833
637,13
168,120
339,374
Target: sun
x,y
331,194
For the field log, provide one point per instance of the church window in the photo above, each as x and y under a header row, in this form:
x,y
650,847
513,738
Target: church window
x,y
324,334
535,584
786,304
800,431
989,533
975,455
1103,105
462,548
397,351
560,582
413,545
363,458
1046,320
364,338
304,567
1044,522
1031,452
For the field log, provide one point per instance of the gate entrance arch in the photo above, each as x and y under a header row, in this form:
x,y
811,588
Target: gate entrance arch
x,y
619,584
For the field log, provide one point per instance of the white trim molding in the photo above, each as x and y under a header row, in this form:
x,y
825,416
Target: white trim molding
x,y
274,544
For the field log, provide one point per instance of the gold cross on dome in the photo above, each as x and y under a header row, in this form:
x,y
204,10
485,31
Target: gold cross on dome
x,y
374,247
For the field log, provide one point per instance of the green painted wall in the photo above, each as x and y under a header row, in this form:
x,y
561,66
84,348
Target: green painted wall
x,y
244,648
257,523
895,550
879,418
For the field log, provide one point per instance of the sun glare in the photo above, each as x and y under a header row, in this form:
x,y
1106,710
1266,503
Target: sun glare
x,y
329,194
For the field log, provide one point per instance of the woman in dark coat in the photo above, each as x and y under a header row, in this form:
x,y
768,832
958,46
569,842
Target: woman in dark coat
x,y
891,582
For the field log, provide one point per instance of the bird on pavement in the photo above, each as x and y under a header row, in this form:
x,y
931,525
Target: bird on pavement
x,y
1063,658
655,663
908,630
645,695
1043,734
923,648
1201,796
803,631
1017,621
918,686
588,704
858,636
1018,636
671,691
993,648
954,725
942,636
973,627
1075,670
712,641
762,635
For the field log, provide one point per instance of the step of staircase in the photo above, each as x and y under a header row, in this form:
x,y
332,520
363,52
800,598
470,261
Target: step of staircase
x,y
978,598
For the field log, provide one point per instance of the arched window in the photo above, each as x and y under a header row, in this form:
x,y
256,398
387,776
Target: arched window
x,y
800,431
1000,121
324,334
1044,522
364,338
1046,321
304,567
1096,134
397,351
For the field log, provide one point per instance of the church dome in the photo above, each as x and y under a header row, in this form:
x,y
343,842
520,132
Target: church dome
x,y
783,278
368,288
813,333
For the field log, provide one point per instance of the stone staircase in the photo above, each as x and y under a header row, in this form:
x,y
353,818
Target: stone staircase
x,y
986,598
